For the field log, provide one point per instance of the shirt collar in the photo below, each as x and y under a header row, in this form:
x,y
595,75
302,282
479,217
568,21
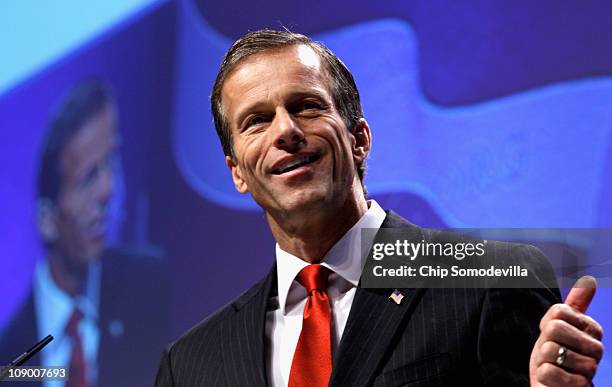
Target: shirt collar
x,y
56,305
345,258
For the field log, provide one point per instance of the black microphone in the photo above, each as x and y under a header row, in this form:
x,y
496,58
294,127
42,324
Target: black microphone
x,y
25,356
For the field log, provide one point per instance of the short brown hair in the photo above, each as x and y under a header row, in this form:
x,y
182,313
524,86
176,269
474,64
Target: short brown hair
x,y
343,88
79,105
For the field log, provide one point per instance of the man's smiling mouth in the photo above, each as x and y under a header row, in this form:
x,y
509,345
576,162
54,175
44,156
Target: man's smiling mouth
x,y
294,163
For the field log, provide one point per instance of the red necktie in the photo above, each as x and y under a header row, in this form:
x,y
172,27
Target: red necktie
x,y
76,373
312,360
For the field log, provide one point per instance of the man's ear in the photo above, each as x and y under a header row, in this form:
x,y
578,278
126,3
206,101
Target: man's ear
x,y
46,222
239,182
363,140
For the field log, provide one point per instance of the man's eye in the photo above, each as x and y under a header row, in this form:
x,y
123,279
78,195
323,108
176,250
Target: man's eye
x,y
86,180
310,105
255,121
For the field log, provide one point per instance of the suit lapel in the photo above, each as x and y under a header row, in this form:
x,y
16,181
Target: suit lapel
x,y
372,325
244,335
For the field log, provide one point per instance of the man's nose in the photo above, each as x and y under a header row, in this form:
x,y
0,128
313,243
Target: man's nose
x,y
288,134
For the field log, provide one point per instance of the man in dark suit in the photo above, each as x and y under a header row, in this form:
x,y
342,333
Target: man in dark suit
x,y
288,114
104,307
131,323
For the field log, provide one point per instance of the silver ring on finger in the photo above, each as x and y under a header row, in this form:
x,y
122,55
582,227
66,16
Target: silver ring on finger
x,y
561,355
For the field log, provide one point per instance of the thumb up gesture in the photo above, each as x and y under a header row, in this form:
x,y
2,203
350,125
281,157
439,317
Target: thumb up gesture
x,y
569,347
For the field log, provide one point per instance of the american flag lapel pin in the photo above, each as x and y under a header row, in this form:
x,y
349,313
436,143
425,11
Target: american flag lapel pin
x,y
396,296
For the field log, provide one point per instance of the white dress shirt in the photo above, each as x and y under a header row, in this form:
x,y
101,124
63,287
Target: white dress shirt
x,y
284,314
53,310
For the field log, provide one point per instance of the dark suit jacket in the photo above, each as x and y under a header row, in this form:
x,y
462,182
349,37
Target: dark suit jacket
x,y
133,299
435,337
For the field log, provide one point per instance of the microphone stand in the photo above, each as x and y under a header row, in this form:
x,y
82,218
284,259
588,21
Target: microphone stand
x,y
25,356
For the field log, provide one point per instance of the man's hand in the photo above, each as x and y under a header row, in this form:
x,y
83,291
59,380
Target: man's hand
x,y
569,347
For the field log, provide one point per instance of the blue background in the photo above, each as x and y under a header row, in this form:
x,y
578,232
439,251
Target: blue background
x,y
484,114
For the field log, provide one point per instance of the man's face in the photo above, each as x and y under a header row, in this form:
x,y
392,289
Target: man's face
x,y
292,148
86,186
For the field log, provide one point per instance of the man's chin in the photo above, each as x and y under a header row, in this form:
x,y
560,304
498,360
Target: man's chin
x,y
93,253
305,201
